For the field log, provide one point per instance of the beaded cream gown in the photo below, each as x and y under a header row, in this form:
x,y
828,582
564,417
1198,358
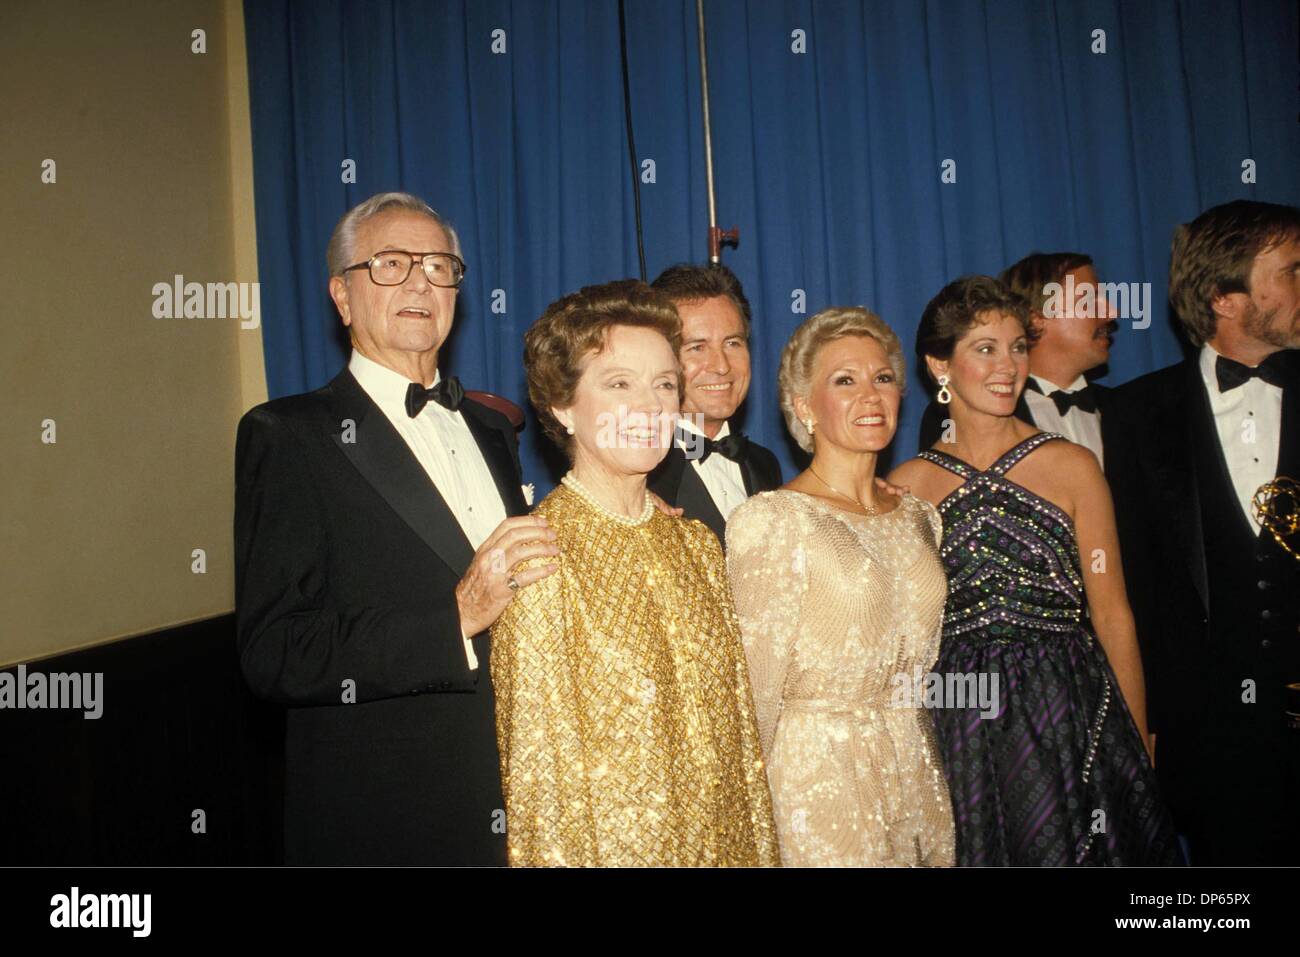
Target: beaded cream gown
x,y
625,720
841,615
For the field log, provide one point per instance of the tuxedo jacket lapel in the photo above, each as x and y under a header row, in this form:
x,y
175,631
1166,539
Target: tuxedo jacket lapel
x,y
1103,403
677,483
381,455
760,469
693,495
1022,410
665,480
748,473
492,443
1176,473
1288,450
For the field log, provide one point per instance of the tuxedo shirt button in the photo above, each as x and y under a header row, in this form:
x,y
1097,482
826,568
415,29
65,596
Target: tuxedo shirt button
x,y
1266,644
1266,614
1261,584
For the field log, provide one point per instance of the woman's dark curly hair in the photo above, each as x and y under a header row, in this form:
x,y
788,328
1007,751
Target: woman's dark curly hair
x,y
961,304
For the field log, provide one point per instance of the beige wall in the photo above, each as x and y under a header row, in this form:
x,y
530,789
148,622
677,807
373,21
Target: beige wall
x,y
153,179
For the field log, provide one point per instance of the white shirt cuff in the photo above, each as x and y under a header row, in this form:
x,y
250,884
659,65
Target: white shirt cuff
x,y
469,652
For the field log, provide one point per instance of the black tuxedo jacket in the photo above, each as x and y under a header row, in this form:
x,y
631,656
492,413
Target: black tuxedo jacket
x,y
678,484
347,558
934,414
1217,605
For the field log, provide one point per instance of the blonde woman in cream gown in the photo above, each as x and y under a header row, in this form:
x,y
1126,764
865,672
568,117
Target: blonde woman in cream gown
x,y
839,610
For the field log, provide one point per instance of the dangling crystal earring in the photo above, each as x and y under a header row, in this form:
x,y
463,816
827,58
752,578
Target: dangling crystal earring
x,y
944,395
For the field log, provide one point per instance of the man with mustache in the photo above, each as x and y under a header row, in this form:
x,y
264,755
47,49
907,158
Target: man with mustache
x,y
1215,596
711,468
1075,325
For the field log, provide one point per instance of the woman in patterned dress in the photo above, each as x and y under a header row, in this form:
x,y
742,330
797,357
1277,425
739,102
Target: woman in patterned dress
x,y
1061,774
624,715
840,595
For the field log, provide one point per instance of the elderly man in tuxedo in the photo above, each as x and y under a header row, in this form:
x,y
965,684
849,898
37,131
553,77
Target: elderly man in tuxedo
x,y
378,525
1074,339
1215,597
712,468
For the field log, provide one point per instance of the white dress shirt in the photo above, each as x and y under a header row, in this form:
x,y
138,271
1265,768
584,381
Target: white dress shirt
x,y
444,446
1081,428
722,477
1248,420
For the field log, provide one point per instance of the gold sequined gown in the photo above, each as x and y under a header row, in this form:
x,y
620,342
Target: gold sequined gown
x,y
833,606
624,714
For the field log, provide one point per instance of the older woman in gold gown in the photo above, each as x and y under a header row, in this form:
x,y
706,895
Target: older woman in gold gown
x,y
840,593
624,713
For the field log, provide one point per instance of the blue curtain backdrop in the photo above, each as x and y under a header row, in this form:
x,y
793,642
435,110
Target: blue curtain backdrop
x,y
828,160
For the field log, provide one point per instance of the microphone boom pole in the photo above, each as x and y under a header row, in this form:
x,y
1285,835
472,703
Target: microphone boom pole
x,y
717,237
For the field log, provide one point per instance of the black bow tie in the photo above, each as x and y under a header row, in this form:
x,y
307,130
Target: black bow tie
x,y
1231,373
1085,399
446,392
731,447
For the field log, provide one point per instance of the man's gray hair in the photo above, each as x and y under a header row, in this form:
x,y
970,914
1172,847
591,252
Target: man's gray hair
x,y
340,252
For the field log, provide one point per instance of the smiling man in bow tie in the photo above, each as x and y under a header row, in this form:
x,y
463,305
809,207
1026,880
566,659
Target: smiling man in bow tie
x,y
379,523
712,468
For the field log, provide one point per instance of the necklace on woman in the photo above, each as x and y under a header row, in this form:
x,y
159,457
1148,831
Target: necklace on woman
x,y
571,481
870,509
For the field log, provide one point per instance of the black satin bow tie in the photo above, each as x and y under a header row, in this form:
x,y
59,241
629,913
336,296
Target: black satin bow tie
x,y
446,392
1085,399
731,447
1231,373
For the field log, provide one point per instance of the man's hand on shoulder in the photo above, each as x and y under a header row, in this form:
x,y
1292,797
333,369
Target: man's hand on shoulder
x,y
483,594
895,490
664,507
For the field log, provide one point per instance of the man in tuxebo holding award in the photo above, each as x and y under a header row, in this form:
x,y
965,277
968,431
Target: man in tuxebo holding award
x,y
1215,596
1075,326
711,469
378,525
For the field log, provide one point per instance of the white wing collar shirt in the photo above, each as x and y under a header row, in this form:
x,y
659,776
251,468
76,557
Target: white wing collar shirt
x,y
444,446
1080,427
1248,420
721,476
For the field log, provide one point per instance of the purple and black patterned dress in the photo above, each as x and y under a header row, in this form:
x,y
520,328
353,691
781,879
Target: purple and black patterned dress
x,y
1059,776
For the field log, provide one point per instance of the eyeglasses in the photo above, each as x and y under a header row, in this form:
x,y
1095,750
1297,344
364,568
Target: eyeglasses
x,y
392,267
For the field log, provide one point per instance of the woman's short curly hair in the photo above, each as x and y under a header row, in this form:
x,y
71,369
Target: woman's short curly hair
x,y
962,304
800,353
572,329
